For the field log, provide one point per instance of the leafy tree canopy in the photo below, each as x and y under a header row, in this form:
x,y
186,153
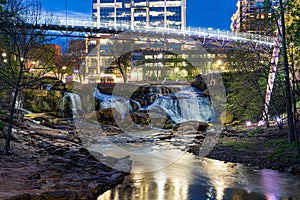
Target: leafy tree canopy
x,y
293,21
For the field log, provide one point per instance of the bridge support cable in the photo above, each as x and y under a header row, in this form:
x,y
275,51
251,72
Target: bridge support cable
x,y
273,69
271,78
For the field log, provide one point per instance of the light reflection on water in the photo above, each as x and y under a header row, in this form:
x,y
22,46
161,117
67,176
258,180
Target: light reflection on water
x,y
194,178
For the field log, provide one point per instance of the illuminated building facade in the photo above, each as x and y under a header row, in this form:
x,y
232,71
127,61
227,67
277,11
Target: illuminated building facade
x,y
163,13
153,61
157,13
254,16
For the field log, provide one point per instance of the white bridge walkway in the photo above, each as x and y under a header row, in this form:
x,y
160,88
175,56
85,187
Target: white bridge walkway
x,y
74,25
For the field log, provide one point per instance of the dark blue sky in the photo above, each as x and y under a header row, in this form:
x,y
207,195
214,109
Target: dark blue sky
x,y
200,13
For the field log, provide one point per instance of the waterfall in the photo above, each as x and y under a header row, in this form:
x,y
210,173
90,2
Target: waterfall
x,y
185,105
122,105
74,101
135,105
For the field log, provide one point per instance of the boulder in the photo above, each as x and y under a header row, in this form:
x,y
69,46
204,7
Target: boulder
x,y
108,116
59,194
106,88
59,85
135,105
147,94
199,83
95,187
41,100
226,117
295,169
69,86
165,90
141,117
155,117
40,93
191,126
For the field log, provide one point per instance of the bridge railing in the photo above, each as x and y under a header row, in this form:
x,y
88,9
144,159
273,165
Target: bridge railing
x,y
188,31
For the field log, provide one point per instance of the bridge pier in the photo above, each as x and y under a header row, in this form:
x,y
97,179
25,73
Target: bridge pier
x,y
271,79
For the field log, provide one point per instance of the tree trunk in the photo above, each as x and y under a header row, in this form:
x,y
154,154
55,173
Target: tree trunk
x,y
291,134
12,111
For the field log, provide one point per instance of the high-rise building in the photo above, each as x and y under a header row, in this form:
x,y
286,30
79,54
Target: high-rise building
x,y
254,16
163,13
151,59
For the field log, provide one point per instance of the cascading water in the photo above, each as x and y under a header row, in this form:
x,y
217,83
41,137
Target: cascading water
x,y
135,105
122,105
187,104
74,100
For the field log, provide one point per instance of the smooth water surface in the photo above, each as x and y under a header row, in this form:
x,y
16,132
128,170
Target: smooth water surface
x,y
162,170
200,178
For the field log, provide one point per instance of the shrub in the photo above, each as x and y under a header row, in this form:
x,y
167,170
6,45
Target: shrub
x,y
1,125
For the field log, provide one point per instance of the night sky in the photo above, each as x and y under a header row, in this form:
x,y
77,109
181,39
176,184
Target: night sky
x,y
200,13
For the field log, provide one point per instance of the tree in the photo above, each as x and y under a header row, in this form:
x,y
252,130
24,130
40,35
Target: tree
x,y
65,66
291,47
288,29
18,40
123,63
246,82
42,60
76,53
293,22
243,83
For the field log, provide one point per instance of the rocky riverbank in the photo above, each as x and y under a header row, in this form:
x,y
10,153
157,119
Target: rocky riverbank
x,y
259,147
51,164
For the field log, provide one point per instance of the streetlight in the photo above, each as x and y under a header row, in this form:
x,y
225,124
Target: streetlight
x,y
4,57
219,62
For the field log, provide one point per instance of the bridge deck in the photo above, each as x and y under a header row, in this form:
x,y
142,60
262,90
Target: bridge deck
x,y
91,28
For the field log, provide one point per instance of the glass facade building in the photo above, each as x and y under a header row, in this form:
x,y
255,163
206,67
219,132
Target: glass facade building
x,y
162,13
254,16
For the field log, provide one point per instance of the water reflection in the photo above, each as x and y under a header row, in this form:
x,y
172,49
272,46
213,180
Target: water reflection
x,y
193,178
221,175
269,182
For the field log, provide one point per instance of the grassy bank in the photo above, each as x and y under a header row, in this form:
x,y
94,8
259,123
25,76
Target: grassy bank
x,y
266,148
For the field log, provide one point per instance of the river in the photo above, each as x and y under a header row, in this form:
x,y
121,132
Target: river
x,y
189,177
163,170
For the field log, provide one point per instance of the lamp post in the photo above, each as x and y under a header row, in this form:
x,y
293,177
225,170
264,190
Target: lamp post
x,y
4,57
219,62
220,65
